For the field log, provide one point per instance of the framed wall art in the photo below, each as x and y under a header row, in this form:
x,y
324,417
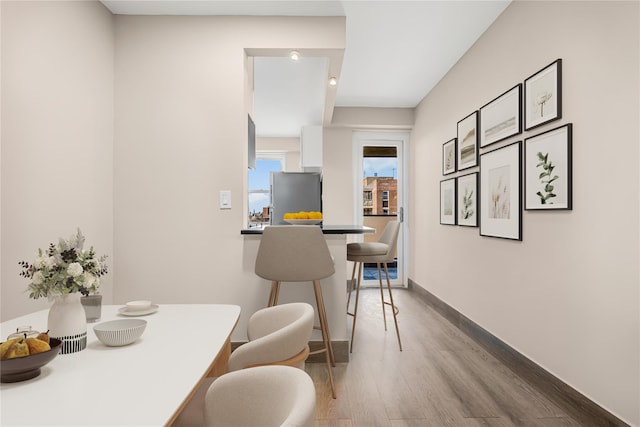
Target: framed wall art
x,y
501,199
501,118
468,141
449,157
448,201
543,96
547,169
467,199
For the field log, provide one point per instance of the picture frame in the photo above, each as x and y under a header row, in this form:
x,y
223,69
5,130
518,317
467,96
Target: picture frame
x,y
543,96
501,117
548,170
449,157
467,142
448,201
467,200
501,198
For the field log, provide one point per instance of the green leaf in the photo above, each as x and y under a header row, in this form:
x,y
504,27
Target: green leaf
x,y
548,188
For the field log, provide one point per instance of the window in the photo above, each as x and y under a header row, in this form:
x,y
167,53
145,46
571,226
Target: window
x,y
259,183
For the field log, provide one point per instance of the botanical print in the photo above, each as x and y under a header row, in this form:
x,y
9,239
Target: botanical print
x,y
543,95
467,200
546,178
499,197
468,210
548,169
541,99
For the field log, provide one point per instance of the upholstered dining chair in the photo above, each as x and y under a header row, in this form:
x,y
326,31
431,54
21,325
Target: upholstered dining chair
x,y
266,396
277,335
298,253
381,252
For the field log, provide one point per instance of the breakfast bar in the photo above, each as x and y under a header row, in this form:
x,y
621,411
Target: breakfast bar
x,y
334,288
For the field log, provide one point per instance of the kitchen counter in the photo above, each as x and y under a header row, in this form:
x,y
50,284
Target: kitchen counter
x,y
326,229
334,288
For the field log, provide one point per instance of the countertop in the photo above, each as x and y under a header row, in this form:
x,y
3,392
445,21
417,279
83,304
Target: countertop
x,y
326,229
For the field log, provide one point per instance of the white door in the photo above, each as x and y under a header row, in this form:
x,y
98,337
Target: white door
x,y
380,193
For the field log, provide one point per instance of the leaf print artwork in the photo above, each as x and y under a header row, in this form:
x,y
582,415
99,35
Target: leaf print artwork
x,y
467,204
546,178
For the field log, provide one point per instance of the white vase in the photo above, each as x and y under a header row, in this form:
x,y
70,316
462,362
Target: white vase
x,y
67,322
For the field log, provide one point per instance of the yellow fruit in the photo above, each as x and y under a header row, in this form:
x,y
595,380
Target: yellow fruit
x,y
37,346
44,336
288,215
17,349
5,346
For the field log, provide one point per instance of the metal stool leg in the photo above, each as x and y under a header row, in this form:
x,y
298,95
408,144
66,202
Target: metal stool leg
x,y
384,314
351,285
273,295
355,308
394,309
324,328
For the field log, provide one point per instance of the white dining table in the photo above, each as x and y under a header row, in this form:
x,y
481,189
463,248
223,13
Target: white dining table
x,y
142,384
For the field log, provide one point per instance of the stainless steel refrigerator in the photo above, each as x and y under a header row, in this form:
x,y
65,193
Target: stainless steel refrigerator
x,y
294,192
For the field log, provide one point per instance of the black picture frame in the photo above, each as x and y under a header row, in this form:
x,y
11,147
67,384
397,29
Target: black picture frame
x,y
501,118
548,170
467,199
500,192
449,157
467,150
543,96
448,201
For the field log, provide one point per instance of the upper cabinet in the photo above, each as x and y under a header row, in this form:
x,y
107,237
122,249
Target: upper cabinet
x,y
311,148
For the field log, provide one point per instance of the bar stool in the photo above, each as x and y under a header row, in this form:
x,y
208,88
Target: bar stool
x,y
298,253
381,252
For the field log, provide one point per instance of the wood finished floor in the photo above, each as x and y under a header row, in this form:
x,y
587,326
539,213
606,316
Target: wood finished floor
x,y
441,378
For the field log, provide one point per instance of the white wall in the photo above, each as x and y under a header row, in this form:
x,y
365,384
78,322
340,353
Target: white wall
x,y
567,296
290,147
180,133
57,136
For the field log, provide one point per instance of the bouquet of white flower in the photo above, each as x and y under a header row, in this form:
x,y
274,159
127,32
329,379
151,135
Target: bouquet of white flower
x,y
64,268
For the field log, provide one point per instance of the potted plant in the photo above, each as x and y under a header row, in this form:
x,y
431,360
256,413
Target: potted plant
x,y
65,272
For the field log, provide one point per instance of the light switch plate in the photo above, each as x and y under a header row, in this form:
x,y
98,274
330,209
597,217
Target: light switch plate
x,y
225,199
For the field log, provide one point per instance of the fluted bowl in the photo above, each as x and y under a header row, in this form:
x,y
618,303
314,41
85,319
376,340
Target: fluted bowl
x,y
115,333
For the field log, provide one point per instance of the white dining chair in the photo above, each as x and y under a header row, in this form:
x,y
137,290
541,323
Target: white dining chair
x,y
381,252
266,396
278,335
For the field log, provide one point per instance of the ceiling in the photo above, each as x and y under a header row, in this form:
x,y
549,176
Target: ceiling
x,y
396,52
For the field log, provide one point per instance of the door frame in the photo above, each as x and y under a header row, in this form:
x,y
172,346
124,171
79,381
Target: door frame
x,y
401,141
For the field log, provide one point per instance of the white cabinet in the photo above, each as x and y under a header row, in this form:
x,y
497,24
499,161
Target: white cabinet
x,y
311,148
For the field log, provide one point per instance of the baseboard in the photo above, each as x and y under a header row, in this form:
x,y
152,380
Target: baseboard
x,y
567,398
340,351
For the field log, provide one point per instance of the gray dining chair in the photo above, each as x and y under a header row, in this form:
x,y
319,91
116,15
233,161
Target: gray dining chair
x,y
381,252
298,253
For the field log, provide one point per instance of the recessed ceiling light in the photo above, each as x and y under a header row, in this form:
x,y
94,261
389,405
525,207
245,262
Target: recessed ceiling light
x,y
294,55
333,81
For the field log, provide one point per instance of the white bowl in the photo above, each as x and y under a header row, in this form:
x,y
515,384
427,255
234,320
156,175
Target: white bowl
x,y
138,305
120,332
